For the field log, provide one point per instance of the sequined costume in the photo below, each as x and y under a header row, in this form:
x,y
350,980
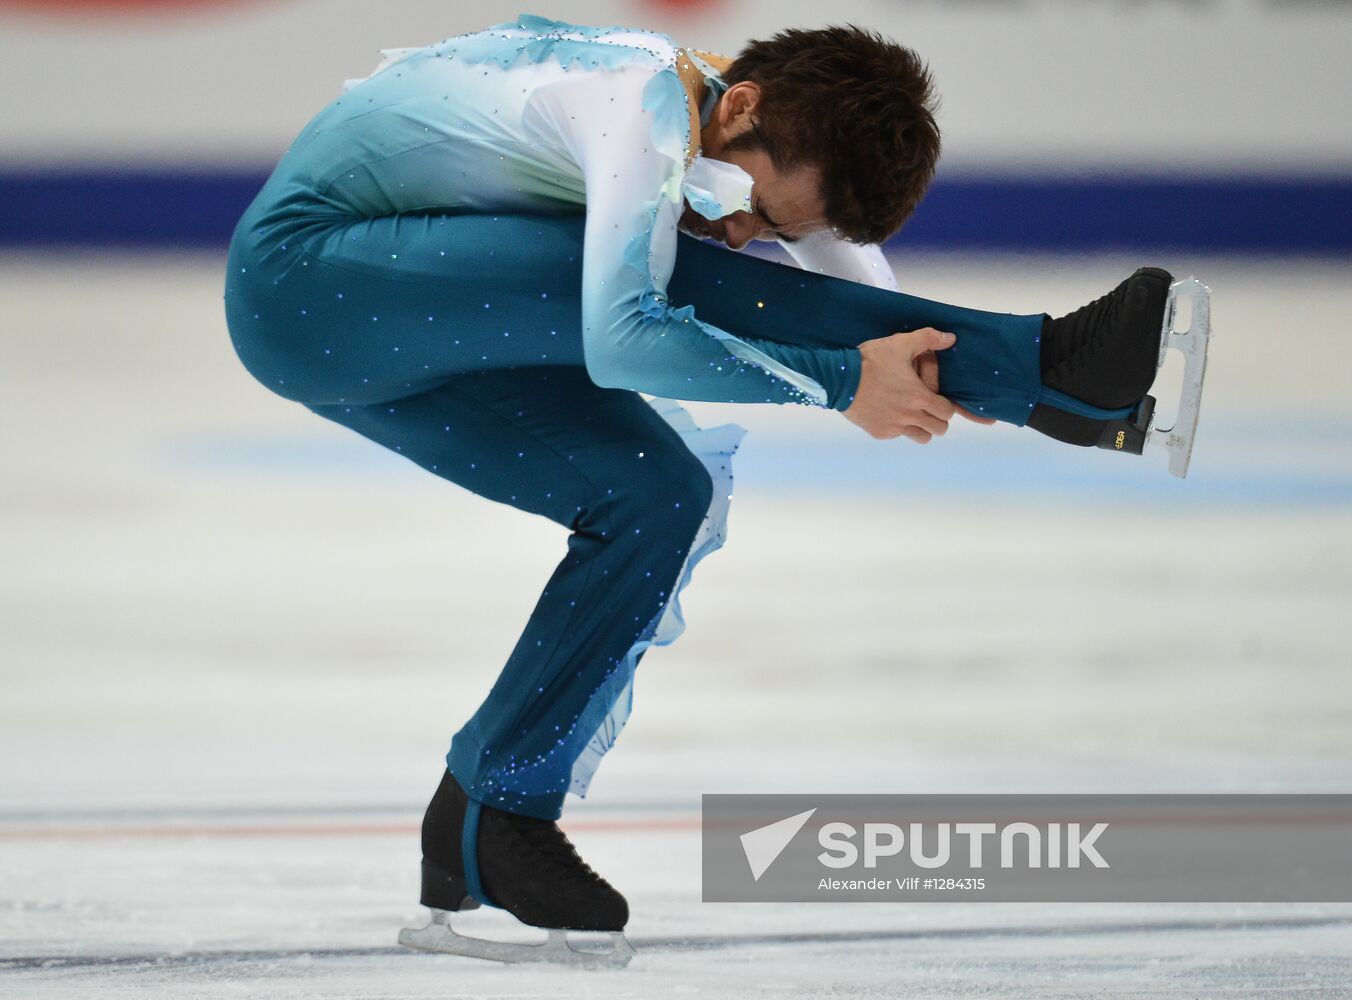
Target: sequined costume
x,y
419,268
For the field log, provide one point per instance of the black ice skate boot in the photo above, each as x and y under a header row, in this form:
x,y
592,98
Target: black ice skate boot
x,y
524,865
1106,355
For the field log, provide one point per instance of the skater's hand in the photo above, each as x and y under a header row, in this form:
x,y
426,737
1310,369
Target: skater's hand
x,y
893,399
927,367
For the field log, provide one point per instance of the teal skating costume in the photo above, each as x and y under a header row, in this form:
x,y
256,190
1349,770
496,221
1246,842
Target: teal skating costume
x,y
419,268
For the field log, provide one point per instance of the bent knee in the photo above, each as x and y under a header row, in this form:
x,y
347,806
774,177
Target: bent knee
x,y
680,484
668,498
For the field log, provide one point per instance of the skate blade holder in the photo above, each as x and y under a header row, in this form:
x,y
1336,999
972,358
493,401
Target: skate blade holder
x,y
440,936
1192,342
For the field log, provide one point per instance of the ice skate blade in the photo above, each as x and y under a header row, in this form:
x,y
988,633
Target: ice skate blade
x,y
1192,342
440,936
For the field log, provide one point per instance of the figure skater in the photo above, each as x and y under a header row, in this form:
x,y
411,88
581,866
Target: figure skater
x,y
479,257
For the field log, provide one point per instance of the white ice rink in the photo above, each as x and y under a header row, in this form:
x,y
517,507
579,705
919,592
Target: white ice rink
x,y
235,641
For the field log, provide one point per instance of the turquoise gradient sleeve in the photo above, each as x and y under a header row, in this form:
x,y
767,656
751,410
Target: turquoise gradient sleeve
x,y
837,371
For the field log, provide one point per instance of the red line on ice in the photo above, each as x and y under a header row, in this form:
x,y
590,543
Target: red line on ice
x,y
301,830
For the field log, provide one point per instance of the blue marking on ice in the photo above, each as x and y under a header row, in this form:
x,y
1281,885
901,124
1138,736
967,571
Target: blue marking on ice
x,y
1250,464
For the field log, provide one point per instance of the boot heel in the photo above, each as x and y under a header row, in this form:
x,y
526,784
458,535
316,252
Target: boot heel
x,y
1129,435
443,889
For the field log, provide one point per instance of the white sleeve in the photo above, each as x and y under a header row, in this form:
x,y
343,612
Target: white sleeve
x,y
627,129
826,253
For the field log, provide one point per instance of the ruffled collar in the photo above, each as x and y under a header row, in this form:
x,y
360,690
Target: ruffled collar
x,y
715,87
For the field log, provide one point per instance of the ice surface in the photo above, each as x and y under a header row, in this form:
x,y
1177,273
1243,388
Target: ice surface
x,y
235,641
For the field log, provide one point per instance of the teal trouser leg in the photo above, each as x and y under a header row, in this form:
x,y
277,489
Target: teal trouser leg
x,y
993,368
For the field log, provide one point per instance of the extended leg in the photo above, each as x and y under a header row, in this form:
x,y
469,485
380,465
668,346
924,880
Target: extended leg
x,y
1081,378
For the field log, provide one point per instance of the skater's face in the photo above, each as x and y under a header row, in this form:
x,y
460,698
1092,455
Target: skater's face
x,y
784,204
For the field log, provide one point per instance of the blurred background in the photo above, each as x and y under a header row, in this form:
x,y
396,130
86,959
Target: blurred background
x,y
235,640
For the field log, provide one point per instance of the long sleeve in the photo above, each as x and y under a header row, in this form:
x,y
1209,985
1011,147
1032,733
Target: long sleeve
x,y
628,130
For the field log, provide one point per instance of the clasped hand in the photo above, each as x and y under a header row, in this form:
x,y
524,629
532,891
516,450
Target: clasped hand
x,y
898,394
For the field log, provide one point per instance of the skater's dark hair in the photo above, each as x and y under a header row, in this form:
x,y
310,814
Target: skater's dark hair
x,y
853,104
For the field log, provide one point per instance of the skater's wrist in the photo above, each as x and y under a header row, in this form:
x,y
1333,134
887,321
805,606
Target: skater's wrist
x,y
851,370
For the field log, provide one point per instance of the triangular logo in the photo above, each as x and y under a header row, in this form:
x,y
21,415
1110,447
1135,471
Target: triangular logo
x,y
766,843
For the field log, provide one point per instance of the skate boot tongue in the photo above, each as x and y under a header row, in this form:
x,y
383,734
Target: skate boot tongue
x,y
1076,334
552,844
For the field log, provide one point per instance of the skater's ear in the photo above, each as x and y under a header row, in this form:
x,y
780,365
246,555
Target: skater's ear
x,y
737,108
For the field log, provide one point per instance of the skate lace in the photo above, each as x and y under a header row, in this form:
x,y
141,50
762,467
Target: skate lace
x,y
1079,334
553,845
